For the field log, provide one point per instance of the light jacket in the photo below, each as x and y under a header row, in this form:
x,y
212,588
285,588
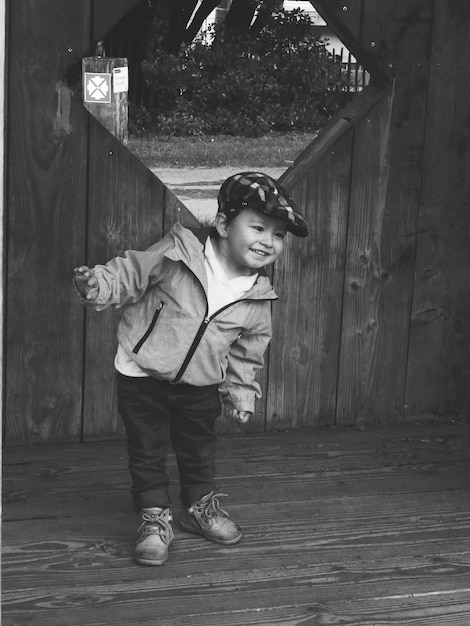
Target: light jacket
x,y
164,326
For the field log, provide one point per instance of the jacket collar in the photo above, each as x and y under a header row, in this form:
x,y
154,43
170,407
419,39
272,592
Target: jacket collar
x,y
210,231
189,248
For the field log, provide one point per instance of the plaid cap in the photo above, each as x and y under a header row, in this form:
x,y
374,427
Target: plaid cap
x,y
254,190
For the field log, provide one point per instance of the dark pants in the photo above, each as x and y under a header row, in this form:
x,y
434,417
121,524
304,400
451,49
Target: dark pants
x,y
159,416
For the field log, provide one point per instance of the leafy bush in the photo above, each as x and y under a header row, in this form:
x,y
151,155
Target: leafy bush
x,y
280,79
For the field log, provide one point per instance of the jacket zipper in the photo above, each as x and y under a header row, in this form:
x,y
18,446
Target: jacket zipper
x,y
199,334
192,349
197,339
202,328
149,329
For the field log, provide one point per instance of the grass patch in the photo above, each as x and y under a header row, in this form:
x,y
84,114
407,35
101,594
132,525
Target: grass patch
x,y
273,150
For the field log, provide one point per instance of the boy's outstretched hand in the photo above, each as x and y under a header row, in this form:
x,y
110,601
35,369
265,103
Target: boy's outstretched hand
x,y
241,417
86,282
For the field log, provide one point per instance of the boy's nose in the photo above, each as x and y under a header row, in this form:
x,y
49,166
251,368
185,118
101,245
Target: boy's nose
x,y
267,240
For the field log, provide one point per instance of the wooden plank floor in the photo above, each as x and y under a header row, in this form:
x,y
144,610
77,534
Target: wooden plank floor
x,y
363,528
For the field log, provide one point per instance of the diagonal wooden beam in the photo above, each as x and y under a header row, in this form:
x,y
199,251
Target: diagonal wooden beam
x,y
339,19
362,103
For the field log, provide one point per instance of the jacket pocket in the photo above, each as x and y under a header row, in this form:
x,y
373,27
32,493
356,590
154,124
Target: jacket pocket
x,y
149,329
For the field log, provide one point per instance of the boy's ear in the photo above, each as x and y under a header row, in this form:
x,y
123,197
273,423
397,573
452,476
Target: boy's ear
x,y
221,225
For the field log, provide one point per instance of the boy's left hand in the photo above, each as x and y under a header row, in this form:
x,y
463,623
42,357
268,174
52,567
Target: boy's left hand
x,y
241,417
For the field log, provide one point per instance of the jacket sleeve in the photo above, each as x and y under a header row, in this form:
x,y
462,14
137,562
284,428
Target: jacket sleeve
x,y
246,357
126,278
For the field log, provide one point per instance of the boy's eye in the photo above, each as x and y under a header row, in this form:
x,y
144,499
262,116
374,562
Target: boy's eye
x,y
280,235
258,228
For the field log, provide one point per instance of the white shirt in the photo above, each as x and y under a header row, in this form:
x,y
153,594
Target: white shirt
x,y
221,291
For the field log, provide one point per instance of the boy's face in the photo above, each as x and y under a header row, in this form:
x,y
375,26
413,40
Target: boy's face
x,y
250,241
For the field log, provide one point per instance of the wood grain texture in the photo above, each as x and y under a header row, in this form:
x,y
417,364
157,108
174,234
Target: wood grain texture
x,y
439,364
122,214
309,280
373,317
382,231
45,226
341,527
365,274
128,208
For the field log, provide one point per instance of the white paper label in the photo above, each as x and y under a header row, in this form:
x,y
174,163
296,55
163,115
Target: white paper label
x,y
120,79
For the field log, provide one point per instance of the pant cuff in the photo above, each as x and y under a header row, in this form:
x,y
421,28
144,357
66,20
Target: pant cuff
x,y
192,493
148,499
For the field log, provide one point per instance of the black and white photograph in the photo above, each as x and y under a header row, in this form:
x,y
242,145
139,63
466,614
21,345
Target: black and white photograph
x,y
235,312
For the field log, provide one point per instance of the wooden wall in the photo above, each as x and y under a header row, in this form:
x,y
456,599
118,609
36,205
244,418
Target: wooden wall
x,y
373,321
438,372
383,334
75,195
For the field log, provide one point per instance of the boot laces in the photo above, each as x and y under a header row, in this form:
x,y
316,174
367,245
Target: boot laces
x,y
156,524
210,507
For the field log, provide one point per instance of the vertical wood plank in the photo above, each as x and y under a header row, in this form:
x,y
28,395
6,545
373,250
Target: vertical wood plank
x,y
124,212
439,360
309,280
45,223
128,208
366,275
383,222
398,36
2,197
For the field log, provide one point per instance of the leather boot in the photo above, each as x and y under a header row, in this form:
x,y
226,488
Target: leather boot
x,y
155,536
208,519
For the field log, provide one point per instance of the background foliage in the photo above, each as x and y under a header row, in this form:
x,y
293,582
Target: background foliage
x,y
244,83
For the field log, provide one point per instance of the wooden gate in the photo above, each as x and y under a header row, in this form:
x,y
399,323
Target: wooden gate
x,y
373,322
75,195
383,333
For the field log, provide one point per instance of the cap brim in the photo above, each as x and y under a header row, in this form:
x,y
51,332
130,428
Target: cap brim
x,y
298,230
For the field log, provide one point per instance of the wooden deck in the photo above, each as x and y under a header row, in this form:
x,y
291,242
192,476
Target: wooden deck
x,y
362,528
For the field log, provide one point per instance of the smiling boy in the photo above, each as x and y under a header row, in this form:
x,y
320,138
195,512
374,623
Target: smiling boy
x,y
195,323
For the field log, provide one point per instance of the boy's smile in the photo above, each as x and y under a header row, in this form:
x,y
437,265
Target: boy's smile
x,y
250,241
